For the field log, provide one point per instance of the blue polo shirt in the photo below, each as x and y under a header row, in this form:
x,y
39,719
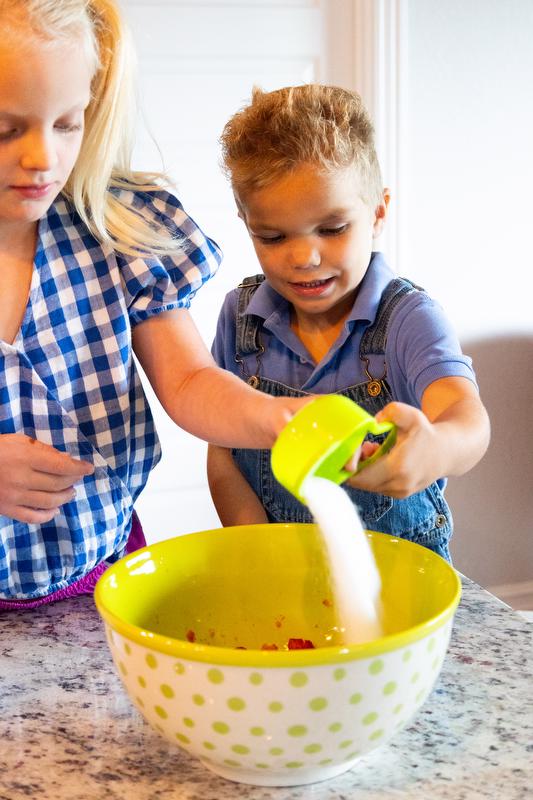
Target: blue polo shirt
x,y
421,346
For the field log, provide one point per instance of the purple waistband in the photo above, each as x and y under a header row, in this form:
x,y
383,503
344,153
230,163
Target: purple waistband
x,y
86,584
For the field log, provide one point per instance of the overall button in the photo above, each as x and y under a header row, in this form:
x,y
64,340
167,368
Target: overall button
x,y
440,521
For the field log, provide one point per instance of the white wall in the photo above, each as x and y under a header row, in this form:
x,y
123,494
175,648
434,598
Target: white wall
x,y
468,166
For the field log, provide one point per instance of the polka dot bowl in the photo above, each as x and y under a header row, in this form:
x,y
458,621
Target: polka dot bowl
x,y
186,620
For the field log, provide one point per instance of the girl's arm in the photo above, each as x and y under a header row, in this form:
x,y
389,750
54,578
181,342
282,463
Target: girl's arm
x,y
235,500
447,437
199,396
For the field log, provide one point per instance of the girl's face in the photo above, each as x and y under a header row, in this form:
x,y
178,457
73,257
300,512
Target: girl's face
x,y
313,235
44,91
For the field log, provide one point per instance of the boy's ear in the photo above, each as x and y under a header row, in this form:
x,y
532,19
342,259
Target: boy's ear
x,y
381,213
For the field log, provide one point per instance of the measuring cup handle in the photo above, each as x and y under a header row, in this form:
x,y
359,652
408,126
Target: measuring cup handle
x,y
377,428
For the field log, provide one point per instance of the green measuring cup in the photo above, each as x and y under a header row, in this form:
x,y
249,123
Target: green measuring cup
x,y
321,438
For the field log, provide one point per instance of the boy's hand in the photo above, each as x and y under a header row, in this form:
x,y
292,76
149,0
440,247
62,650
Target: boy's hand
x,y
411,465
35,478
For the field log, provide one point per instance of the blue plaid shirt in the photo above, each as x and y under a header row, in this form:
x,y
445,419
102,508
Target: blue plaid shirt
x,y
69,380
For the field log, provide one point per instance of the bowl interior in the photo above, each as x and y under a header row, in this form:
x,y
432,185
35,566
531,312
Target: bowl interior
x,y
250,586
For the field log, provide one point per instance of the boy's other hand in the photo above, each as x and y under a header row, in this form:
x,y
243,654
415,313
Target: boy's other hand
x,y
36,479
412,463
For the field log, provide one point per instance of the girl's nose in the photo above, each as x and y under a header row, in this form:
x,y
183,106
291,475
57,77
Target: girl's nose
x,y
38,152
305,254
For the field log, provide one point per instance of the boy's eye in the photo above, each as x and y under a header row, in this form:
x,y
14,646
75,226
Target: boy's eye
x,y
5,133
333,231
269,239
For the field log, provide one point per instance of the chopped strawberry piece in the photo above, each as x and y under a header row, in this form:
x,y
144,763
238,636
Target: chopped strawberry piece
x,y
300,644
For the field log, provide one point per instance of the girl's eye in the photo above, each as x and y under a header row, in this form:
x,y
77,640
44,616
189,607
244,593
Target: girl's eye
x,y
66,127
334,231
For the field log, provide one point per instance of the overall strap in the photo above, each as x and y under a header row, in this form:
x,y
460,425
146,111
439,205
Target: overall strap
x,y
248,325
375,337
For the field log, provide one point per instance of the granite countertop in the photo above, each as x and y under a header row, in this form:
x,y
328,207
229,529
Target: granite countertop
x,y
68,730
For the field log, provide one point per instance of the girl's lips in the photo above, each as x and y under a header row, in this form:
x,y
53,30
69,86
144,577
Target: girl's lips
x,y
33,191
311,288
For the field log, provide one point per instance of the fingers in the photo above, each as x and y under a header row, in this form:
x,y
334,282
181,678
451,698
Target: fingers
x,y
48,460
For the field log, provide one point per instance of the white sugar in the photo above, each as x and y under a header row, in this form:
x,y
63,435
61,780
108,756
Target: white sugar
x,y
355,579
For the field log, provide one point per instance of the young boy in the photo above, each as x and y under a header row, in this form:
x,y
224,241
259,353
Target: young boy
x,y
328,315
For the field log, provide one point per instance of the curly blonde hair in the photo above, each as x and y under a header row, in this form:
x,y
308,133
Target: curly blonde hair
x,y
104,161
323,125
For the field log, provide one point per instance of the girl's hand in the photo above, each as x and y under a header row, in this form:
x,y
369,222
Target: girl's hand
x,y
411,465
35,478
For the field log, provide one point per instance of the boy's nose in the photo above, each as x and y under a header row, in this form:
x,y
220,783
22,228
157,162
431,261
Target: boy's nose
x,y
305,255
38,152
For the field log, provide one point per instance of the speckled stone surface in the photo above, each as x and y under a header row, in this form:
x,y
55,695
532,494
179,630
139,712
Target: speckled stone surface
x,y
68,729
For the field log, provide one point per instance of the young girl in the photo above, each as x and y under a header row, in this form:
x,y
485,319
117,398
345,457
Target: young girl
x,y
96,262
329,315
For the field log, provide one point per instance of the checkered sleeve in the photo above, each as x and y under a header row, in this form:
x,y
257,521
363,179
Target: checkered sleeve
x,y
162,283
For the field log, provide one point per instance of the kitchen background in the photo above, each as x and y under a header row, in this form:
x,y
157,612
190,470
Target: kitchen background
x,y
450,87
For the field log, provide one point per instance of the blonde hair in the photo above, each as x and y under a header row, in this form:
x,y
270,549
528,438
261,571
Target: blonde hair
x,y
323,125
104,161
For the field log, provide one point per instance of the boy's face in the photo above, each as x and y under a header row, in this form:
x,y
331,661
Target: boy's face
x,y
313,237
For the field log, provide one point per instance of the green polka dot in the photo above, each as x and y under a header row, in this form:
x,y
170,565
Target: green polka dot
x,y
398,708
231,763
431,645
294,764
215,676
335,727
151,660
160,712
122,668
188,722
209,746
179,669
127,649
415,677
166,690
276,751
159,728
420,695
376,666
356,698
139,702
182,738
257,731
376,735
370,718
262,766
435,663
236,704
298,679
339,674
198,699
352,755
345,744
297,730
325,761
275,707
318,703
241,749
141,681
220,727
407,655
390,687
255,679
312,748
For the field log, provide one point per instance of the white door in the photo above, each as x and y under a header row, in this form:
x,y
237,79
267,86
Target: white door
x,y
198,63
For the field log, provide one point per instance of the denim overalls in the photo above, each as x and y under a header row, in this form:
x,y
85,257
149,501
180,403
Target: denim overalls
x,y
424,517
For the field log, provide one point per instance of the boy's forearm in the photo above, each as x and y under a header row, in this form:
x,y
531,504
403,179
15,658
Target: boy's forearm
x,y
463,435
234,499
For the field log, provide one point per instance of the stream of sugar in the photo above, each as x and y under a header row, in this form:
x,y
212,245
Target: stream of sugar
x,y
355,579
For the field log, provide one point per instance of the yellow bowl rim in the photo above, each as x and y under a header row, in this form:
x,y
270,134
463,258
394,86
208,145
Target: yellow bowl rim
x,y
212,654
